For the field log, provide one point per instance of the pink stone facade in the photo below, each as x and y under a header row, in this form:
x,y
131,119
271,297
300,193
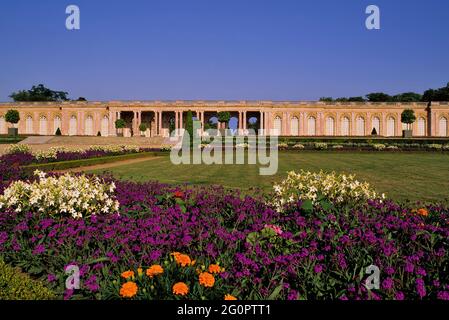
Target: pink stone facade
x,y
282,118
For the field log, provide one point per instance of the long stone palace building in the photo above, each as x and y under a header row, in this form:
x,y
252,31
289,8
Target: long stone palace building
x,y
282,118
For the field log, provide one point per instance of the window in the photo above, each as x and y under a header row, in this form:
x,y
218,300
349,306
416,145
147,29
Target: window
x,y
277,126
421,127
360,126
29,125
72,126
89,126
330,126
57,123
311,126
345,126
376,124
43,126
294,126
442,132
105,126
391,127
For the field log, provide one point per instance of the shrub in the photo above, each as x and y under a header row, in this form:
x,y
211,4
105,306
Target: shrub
x,y
337,146
120,124
434,146
305,185
143,127
379,146
299,146
320,145
77,196
18,148
15,285
283,146
391,148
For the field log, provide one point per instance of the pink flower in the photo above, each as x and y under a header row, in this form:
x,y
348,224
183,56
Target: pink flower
x,y
276,229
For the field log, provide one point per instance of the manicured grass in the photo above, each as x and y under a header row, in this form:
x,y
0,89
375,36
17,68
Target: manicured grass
x,y
402,176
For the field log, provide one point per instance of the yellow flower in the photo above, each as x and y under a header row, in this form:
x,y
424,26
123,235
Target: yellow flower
x,y
180,289
229,297
128,289
214,268
128,274
155,270
139,272
206,279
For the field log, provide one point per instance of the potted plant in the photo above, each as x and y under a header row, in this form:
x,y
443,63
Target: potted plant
x,y
120,124
13,117
223,117
143,127
408,117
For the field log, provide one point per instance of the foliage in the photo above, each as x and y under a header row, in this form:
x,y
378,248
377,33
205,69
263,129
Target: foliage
x,y
441,94
15,285
120,123
408,116
189,128
143,127
224,116
320,145
66,195
39,93
12,116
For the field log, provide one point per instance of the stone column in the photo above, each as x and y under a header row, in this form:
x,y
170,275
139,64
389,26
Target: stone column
x,y
244,120
176,120
181,124
160,123
261,123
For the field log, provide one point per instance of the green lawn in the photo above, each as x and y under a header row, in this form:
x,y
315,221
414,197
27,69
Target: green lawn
x,y
402,176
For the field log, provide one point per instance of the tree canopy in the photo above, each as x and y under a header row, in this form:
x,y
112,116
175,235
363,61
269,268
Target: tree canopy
x,y
39,93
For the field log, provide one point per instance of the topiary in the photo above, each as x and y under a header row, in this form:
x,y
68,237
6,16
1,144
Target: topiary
x,y
58,132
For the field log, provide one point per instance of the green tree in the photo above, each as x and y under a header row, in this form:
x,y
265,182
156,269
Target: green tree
x,y
12,116
224,116
407,97
39,93
378,97
408,117
143,127
326,99
120,124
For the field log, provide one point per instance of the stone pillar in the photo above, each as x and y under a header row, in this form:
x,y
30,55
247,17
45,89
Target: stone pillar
x,y
301,124
353,125
244,120
181,124
261,123
160,123
176,120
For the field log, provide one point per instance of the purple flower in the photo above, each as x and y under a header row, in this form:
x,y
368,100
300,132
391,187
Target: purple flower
x,y
443,295
420,287
318,268
51,278
39,249
388,284
399,296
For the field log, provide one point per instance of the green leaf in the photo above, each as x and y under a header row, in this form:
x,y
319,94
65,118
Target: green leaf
x,y
275,292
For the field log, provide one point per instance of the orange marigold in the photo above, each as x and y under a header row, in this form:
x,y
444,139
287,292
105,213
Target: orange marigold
x,y
229,297
155,270
206,279
128,289
128,274
423,212
180,289
182,259
214,268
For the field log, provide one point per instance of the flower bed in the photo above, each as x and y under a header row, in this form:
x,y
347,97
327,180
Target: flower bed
x,y
299,252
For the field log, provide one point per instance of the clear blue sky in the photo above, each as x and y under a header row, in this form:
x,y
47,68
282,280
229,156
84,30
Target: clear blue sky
x,y
227,49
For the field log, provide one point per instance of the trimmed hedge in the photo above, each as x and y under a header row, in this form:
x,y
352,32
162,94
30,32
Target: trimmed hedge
x,y
63,165
15,285
10,140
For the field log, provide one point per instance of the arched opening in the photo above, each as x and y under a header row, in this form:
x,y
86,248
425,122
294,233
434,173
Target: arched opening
x,y
29,125
376,125
345,128
391,127
43,126
105,126
360,126
442,132
330,126
277,126
89,126
311,126
57,123
421,127
73,126
294,126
